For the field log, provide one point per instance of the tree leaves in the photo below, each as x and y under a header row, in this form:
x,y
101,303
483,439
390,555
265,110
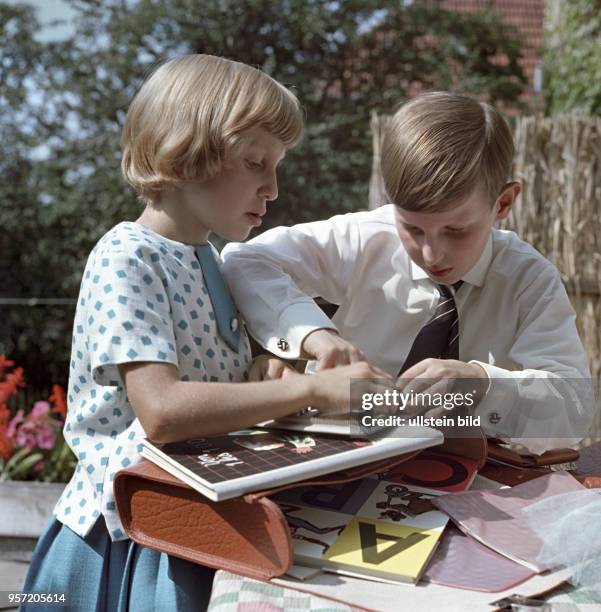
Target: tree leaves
x,y
63,106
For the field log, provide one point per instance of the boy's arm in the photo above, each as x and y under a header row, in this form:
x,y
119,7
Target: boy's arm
x,y
274,277
546,400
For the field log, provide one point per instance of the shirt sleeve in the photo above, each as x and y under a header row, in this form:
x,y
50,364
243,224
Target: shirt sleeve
x,y
547,401
274,277
127,313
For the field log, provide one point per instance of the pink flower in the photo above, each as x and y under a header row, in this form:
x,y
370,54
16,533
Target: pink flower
x,y
26,435
14,423
46,436
40,410
35,429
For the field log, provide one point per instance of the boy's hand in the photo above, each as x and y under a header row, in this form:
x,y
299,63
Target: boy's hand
x,y
266,367
329,349
442,376
440,368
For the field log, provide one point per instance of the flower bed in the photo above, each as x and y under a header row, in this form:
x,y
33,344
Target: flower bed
x,y
32,446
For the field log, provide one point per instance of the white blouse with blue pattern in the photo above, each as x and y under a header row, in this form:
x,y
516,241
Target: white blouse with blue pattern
x,y
142,298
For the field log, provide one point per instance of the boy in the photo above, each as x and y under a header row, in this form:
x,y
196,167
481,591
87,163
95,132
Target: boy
x,y
446,159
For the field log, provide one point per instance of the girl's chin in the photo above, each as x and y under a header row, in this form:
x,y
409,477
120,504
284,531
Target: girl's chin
x,y
235,236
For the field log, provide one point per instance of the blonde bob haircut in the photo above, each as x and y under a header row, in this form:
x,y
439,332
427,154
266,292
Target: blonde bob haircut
x,y
439,147
189,115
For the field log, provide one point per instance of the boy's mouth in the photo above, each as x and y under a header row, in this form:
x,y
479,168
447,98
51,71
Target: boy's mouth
x,y
438,271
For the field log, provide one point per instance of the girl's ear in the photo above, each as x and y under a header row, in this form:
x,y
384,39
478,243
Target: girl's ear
x,y
507,198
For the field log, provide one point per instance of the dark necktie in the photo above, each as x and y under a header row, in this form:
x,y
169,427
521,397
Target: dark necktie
x,y
224,308
439,337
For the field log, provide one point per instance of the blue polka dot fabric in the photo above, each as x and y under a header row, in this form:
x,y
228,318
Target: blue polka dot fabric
x,y
142,298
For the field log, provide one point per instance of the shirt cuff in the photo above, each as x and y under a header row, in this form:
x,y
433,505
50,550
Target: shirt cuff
x,y
296,322
497,405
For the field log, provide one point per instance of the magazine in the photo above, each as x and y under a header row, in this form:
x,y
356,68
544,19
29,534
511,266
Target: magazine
x,y
382,527
241,462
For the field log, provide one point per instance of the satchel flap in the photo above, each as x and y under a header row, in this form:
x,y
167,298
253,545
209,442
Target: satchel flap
x,y
249,537
474,445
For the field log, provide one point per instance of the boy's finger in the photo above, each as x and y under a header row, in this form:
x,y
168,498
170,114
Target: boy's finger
x,y
356,356
331,360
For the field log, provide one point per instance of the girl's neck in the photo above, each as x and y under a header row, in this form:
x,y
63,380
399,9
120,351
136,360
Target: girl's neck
x,y
160,221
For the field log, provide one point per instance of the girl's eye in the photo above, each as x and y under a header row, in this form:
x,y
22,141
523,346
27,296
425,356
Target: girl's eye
x,y
456,230
412,229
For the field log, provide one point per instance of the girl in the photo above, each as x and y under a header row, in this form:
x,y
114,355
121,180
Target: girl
x,y
158,350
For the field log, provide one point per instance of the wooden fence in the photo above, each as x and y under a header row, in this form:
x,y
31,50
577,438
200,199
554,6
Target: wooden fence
x,y
558,162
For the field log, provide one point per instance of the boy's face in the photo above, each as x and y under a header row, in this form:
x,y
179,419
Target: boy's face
x,y
233,202
448,244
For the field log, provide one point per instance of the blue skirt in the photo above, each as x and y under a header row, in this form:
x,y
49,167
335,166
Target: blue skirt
x,y
97,574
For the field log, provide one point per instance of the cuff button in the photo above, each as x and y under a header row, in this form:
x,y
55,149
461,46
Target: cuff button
x,y
283,345
494,418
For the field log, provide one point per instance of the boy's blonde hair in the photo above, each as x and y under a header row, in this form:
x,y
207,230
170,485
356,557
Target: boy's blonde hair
x,y
439,147
189,115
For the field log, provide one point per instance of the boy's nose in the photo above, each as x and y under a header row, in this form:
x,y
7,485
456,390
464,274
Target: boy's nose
x,y
431,254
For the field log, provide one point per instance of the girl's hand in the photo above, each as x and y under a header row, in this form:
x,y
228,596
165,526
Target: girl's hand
x,y
266,367
332,388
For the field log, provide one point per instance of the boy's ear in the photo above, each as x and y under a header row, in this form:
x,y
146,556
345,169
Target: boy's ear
x,y
506,199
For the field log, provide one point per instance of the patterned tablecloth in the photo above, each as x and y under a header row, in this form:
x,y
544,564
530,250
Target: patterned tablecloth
x,y
232,592
236,593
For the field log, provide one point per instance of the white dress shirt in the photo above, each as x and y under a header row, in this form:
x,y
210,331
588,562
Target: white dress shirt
x,y
515,318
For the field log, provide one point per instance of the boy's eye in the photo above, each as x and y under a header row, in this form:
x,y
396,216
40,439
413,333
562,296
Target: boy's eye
x,y
456,230
253,165
412,229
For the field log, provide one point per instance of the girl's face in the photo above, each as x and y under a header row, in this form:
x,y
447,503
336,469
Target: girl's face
x,y
233,202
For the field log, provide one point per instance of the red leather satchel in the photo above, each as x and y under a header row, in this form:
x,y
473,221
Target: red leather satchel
x,y
247,535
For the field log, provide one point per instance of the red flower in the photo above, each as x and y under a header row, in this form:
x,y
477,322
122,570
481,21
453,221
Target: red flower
x,y
6,447
5,416
58,399
4,363
35,427
14,381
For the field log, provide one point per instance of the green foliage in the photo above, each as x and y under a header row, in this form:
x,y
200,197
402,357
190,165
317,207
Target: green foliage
x,y
573,59
343,59
19,465
59,464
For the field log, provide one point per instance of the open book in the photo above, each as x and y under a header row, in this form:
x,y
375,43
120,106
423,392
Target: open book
x,y
241,462
312,421
382,527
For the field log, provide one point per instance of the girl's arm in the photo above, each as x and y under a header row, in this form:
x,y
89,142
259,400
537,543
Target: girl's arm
x,y
170,409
